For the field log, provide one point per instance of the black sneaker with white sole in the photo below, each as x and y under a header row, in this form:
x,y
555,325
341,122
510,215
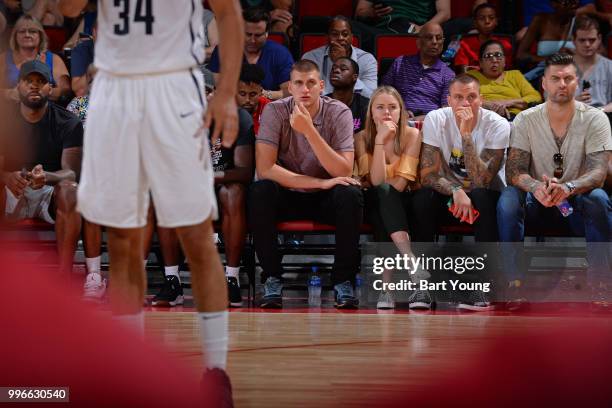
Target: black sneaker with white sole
x,y
420,300
475,301
171,294
233,292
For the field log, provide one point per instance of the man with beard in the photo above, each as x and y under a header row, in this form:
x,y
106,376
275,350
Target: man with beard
x,y
250,92
344,74
559,153
339,44
42,151
422,79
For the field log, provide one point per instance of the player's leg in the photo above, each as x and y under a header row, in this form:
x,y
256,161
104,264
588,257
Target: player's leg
x,y
95,283
67,223
233,225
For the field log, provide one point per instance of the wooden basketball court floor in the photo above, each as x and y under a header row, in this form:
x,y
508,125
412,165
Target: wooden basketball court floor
x,y
301,357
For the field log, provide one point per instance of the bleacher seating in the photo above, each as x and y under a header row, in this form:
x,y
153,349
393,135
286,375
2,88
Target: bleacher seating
x,y
390,46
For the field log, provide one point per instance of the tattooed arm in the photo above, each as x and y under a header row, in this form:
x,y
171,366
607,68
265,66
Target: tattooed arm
x,y
596,167
481,170
430,168
517,170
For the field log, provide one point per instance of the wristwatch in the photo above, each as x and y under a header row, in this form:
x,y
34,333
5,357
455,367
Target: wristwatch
x,y
570,186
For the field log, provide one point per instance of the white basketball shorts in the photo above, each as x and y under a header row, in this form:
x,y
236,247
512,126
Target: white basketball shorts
x,y
144,135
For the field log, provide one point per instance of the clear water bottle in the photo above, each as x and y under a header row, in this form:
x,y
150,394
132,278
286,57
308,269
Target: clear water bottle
x,y
314,288
565,208
449,54
358,286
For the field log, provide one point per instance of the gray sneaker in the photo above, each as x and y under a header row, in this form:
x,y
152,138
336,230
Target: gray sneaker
x,y
476,301
273,294
385,301
420,299
345,298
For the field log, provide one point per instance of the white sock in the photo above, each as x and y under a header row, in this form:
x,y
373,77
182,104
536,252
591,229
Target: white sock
x,y
133,322
144,263
213,334
172,271
232,272
93,264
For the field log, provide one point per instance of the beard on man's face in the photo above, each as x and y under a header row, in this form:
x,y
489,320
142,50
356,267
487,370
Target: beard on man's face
x,y
36,103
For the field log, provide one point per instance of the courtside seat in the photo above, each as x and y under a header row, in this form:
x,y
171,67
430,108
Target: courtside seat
x,y
309,226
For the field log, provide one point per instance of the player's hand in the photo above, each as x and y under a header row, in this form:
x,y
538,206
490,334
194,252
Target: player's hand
x,y
16,183
39,177
464,116
463,207
223,113
343,181
300,119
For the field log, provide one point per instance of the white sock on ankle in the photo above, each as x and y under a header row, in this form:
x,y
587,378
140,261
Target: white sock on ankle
x,y
213,335
232,271
172,271
93,264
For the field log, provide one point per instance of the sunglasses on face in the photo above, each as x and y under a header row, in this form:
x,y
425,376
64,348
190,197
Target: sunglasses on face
x,y
558,160
492,55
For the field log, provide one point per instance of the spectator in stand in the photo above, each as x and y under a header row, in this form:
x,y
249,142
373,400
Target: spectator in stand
x,y
273,58
532,8
211,34
3,20
422,79
594,70
280,13
45,11
249,96
397,17
339,44
29,42
42,161
485,22
343,77
81,58
505,92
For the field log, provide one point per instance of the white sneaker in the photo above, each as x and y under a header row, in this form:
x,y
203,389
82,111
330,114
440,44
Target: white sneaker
x,y
385,301
95,286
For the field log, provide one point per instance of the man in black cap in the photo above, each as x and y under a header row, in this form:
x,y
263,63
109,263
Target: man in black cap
x,y
42,150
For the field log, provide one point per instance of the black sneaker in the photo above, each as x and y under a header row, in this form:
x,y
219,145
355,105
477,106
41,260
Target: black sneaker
x,y
476,301
217,389
420,299
233,292
171,294
345,298
516,300
273,294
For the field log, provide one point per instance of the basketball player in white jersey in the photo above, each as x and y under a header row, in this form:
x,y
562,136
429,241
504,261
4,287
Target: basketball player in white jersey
x,y
146,133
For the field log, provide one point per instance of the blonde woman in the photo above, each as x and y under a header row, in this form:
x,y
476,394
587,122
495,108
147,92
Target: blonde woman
x,y
387,157
29,42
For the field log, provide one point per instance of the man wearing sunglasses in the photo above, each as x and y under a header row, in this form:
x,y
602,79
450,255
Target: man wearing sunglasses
x,y
559,151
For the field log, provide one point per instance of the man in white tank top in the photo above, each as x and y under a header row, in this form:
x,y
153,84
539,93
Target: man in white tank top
x,y
146,137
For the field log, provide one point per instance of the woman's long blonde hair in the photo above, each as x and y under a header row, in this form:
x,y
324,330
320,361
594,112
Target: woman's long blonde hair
x,y
42,45
370,127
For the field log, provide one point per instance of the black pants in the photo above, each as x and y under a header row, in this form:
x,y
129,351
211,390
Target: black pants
x,y
342,206
430,210
387,210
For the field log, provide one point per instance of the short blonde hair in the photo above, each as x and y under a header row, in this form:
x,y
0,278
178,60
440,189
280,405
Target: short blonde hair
x,y
42,45
370,126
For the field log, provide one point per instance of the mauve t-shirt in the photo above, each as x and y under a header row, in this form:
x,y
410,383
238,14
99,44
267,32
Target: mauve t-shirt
x,y
334,122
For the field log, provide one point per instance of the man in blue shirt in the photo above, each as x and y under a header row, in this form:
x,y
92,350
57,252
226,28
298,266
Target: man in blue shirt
x,y
273,58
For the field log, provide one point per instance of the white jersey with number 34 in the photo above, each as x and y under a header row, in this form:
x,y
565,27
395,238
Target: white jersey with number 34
x,y
140,37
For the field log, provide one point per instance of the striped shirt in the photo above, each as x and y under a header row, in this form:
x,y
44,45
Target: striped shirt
x,y
423,89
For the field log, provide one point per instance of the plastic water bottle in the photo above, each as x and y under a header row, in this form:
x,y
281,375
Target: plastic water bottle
x,y
449,54
314,288
358,286
565,208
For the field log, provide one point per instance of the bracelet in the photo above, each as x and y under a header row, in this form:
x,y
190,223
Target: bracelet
x,y
456,188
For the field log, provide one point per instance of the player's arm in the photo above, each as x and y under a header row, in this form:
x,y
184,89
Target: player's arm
x,y
71,8
430,168
222,109
243,170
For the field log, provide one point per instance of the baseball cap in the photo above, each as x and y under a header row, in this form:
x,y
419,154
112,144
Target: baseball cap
x,y
35,66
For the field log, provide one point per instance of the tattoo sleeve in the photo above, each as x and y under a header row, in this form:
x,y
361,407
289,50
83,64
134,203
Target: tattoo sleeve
x,y
517,170
430,168
481,170
596,167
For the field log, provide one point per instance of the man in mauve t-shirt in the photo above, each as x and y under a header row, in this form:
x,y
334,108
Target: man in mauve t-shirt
x,y
304,158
